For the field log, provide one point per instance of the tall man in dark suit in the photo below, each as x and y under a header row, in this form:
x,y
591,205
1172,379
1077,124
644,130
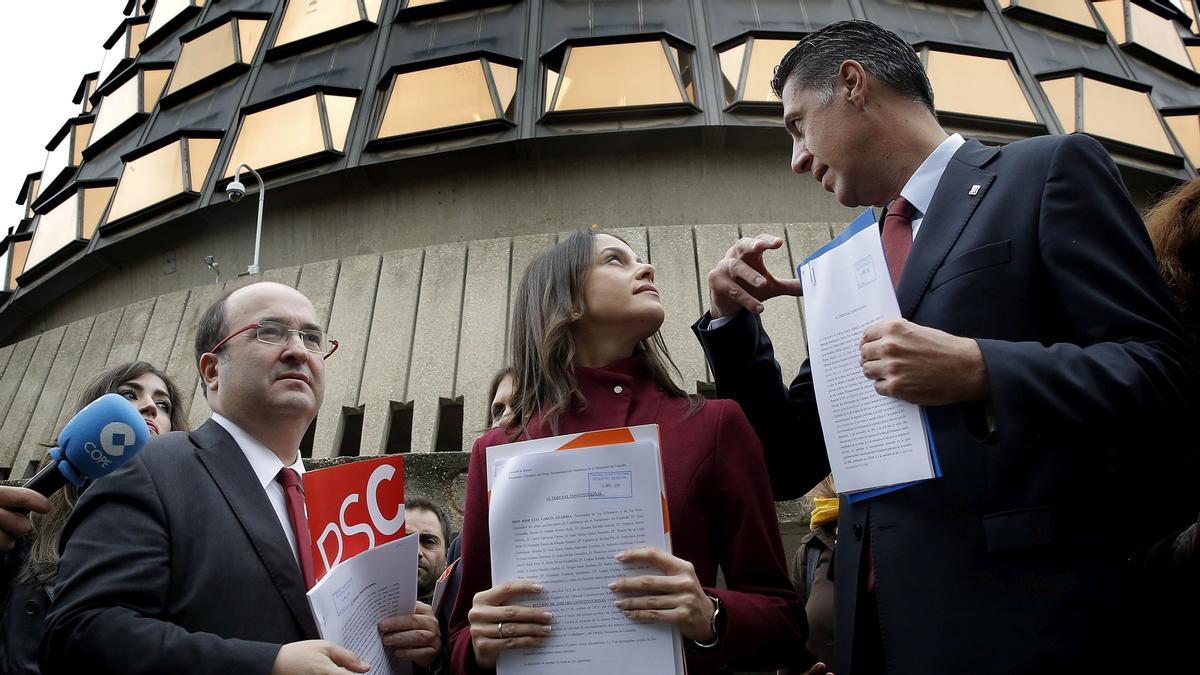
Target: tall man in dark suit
x,y
194,557
1036,333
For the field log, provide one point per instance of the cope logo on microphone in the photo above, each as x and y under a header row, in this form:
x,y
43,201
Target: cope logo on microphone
x,y
115,437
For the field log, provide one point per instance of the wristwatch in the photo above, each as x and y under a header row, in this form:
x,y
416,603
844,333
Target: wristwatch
x,y
719,621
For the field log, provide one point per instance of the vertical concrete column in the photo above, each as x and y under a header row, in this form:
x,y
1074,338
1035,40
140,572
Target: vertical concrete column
x,y
350,324
782,316
389,346
53,399
435,345
673,253
130,332
803,240
13,375
93,360
5,356
524,250
26,395
481,350
162,329
712,241
181,363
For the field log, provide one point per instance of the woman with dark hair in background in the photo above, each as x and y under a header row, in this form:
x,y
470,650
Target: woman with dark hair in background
x,y
1166,609
587,355
24,611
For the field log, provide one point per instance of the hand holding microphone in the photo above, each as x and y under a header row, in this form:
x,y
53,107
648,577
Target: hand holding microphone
x,y
15,505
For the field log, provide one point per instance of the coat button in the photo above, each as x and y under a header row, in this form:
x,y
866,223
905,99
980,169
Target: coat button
x,y
32,608
618,389
857,531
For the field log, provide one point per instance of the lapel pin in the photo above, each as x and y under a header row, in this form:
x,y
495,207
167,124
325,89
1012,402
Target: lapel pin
x,y
974,190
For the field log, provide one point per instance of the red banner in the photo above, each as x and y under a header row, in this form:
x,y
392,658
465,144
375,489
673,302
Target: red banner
x,y
353,508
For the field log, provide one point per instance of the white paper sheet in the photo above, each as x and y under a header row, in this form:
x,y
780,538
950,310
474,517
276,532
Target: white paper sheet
x,y
559,518
349,602
873,441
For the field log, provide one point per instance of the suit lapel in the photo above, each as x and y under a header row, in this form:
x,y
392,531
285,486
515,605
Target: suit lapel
x,y
963,185
234,477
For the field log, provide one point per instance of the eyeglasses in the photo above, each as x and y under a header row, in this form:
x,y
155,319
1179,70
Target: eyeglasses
x,y
275,333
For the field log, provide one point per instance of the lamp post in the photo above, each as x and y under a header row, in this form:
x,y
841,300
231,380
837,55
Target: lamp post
x,y
235,191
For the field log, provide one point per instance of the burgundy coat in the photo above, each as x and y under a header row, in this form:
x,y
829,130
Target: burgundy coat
x,y
721,510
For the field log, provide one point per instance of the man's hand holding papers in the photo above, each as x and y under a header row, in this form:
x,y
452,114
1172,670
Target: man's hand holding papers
x,y
413,637
922,365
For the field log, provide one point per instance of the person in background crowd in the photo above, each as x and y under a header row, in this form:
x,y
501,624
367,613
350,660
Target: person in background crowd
x,y
24,615
500,394
1038,337
587,355
812,571
1167,573
195,556
423,517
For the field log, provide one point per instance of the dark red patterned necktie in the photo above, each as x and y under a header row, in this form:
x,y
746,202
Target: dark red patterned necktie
x,y
897,236
293,494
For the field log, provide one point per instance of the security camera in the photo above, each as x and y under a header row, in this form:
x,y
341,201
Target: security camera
x,y
235,190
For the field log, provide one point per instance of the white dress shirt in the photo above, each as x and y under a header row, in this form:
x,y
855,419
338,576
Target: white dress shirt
x,y
266,466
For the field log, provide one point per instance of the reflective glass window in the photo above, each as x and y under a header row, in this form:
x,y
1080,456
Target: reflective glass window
x,y
165,10
619,75
1075,11
137,95
1109,111
58,161
306,18
977,85
80,135
1149,30
34,186
764,54
4,286
447,96
89,88
19,252
291,131
76,217
159,175
1187,131
134,34
206,54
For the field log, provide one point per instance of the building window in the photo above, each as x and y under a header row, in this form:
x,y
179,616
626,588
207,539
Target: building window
x,y
1073,11
303,19
625,75
299,129
83,94
66,152
1189,10
1112,111
29,193
229,44
1135,26
169,13
747,69
176,169
1186,128
134,97
18,253
982,86
69,222
448,96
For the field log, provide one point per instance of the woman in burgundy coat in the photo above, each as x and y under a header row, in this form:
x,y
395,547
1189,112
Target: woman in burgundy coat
x,y
587,355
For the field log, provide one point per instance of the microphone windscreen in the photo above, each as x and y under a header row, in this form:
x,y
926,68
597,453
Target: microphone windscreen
x,y
103,436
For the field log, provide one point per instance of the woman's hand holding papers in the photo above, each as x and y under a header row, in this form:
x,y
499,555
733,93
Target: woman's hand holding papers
x,y
676,597
413,637
497,626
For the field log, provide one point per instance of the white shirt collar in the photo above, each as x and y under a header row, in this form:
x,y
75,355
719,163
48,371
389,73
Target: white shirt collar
x,y
266,464
920,188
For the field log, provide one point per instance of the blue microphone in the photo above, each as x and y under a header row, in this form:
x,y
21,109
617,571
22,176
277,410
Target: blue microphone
x,y
97,441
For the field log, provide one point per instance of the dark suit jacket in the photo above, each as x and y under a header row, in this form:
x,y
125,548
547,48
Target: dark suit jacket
x,y
1010,562
176,563
720,509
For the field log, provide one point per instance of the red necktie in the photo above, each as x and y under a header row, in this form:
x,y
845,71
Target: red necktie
x,y
897,236
293,494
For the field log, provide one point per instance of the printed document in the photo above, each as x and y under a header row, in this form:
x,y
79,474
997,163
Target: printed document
x,y
559,517
873,441
349,601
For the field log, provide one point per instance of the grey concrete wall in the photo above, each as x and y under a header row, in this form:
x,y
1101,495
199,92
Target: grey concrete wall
x,y
420,329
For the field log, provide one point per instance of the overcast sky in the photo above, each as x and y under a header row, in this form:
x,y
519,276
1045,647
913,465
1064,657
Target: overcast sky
x,y
47,46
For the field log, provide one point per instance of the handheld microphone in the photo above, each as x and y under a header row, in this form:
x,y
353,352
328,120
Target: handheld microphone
x,y
97,441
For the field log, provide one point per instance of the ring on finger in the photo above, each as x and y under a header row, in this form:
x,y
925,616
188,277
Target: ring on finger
x,y
500,629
